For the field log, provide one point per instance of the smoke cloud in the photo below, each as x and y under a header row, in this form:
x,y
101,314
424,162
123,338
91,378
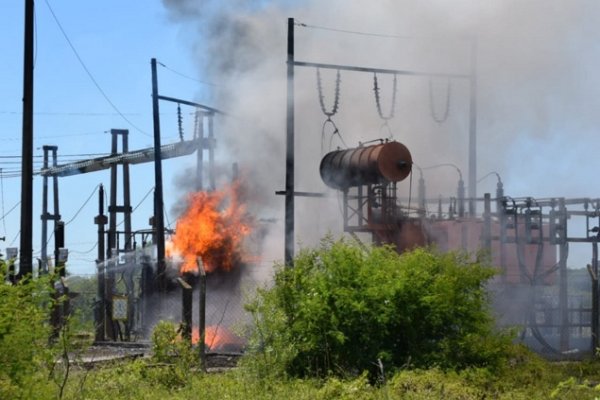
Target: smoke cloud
x,y
536,97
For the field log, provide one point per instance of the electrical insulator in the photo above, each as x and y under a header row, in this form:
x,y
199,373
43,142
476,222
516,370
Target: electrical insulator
x,y
507,220
532,223
557,227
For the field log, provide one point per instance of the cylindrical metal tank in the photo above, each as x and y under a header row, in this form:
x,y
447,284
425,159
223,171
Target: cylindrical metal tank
x,y
386,162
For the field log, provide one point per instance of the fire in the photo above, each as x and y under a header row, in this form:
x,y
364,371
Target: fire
x,y
213,227
218,338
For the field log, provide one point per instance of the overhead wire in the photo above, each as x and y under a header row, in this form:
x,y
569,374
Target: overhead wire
x,y
138,204
102,92
325,28
185,76
9,211
83,205
2,198
60,155
15,238
84,252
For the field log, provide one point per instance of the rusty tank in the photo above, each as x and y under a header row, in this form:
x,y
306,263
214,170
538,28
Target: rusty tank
x,y
366,165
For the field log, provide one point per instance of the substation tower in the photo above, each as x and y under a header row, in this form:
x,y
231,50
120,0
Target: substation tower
x,y
121,312
526,238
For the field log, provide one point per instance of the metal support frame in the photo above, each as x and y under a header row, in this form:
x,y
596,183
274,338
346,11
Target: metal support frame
x,y
114,246
290,155
158,221
46,216
101,311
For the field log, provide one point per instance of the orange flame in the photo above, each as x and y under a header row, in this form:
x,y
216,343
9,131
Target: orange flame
x,y
218,338
213,227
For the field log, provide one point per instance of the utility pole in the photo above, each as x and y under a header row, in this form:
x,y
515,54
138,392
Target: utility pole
x,y
473,130
25,264
289,153
159,223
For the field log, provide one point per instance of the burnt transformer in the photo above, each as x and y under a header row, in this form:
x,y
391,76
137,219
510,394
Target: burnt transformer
x,y
367,177
377,164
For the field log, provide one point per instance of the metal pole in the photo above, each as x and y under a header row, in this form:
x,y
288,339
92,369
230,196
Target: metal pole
x,y
202,313
101,310
126,192
460,194
563,298
59,243
211,153
473,130
112,243
200,151
421,195
487,224
159,223
26,241
289,158
594,275
44,248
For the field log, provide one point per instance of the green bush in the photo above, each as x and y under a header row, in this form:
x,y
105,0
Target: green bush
x,y
342,308
174,357
25,356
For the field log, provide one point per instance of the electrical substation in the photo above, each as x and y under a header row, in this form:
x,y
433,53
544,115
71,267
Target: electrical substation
x,y
140,283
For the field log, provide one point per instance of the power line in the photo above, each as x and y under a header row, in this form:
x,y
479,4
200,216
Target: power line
x,y
185,76
85,252
138,204
324,28
9,211
62,155
16,236
2,195
82,206
72,113
90,74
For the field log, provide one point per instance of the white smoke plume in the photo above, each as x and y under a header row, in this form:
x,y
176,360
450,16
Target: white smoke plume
x,y
537,90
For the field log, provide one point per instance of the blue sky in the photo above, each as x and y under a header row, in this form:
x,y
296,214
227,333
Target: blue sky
x,y
116,41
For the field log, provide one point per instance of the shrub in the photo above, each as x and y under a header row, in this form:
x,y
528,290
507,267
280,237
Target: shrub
x,y
175,357
24,351
341,308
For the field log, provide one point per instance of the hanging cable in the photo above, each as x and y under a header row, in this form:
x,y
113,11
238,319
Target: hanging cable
x,y
11,210
138,204
334,109
14,239
434,115
183,75
179,122
392,112
84,252
83,205
378,100
352,32
336,131
336,100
